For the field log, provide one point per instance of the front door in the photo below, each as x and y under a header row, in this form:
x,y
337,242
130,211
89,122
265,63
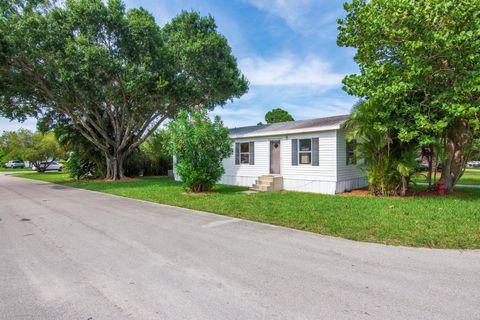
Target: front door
x,y
275,157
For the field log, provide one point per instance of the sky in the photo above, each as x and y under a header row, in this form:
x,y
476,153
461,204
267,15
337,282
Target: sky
x,y
286,48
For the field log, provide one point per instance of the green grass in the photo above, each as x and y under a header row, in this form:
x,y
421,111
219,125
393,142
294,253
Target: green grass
x,y
2,169
470,177
437,222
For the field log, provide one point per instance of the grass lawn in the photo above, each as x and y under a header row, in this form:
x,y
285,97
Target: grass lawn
x,y
471,177
2,169
448,222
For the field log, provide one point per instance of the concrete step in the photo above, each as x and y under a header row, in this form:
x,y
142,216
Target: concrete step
x,y
263,188
263,183
266,178
268,183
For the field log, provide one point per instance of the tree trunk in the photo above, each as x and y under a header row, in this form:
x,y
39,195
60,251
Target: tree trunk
x,y
114,166
431,168
405,182
456,143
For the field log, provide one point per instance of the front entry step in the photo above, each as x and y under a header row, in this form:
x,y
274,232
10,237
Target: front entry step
x,y
268,183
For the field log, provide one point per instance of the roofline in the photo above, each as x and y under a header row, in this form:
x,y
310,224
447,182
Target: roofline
x,y
291,131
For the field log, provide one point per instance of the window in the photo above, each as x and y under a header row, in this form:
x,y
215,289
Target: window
x,y
245,153
305,151
351,157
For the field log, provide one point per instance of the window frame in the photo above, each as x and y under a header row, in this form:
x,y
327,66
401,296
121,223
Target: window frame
x,y
299,152
246,153
351,157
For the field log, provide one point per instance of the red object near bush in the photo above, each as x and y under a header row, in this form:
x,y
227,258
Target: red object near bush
x,y
441,188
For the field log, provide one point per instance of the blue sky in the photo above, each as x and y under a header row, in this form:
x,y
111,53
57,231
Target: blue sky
x,y
286,48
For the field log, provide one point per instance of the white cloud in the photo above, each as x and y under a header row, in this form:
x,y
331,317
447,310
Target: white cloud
x,y
322,107
291,11
300,101
239,114
304,16
288,70
305,86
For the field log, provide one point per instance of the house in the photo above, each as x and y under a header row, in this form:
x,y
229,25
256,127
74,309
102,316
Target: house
x,y
308,155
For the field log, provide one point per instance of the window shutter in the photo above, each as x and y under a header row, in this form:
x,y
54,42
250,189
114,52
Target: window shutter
x,y
294,152
237,153
251,149
314,151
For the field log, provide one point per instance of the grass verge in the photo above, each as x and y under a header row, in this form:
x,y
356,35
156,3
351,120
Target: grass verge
x,y
447,222
470,177
2,169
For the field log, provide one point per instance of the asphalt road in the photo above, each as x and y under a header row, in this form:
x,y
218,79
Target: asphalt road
x,y
72,254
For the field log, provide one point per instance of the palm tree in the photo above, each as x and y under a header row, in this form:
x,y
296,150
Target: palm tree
x,y
388,162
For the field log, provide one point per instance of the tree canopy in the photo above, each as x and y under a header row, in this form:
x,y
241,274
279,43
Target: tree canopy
x,y
419,68
111,73
38,148
278,115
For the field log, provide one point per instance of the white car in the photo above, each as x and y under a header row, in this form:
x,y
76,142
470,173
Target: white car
x,y
53,166
14,164
473,164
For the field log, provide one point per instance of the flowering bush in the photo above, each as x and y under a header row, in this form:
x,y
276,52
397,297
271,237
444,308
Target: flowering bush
x,y
199,146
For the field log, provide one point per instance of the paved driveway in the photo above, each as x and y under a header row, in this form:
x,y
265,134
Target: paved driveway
x,y
72,254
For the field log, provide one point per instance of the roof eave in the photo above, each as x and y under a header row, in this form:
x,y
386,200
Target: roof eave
x,y
287,132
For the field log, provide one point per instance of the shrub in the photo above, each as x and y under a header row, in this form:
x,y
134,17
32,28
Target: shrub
x,y
152,158
199,146
80,166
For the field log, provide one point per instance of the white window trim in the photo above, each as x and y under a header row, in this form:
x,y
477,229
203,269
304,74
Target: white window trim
x,y
298,152
247,153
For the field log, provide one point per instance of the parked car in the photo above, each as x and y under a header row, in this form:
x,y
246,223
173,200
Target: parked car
x,y
473,164
14,164
53,166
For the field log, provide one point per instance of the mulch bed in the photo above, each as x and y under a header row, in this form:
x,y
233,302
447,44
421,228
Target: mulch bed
x,y
357,193
416,194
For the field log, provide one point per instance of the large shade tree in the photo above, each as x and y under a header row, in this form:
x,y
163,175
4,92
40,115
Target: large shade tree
x,y
419,65
112,73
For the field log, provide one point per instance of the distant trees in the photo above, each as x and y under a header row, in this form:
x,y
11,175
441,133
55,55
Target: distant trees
x,y
278,115
112,74
199,146
418,75
37,148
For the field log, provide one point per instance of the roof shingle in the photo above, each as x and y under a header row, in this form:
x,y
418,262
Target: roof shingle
x,y
290,125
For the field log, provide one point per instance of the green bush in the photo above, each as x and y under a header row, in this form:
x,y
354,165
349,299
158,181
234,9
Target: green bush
x,y
80,166
199,146
152,158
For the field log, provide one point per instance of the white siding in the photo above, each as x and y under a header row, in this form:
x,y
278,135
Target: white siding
x,y
331,176
307,178
326,158
246,174
349,177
